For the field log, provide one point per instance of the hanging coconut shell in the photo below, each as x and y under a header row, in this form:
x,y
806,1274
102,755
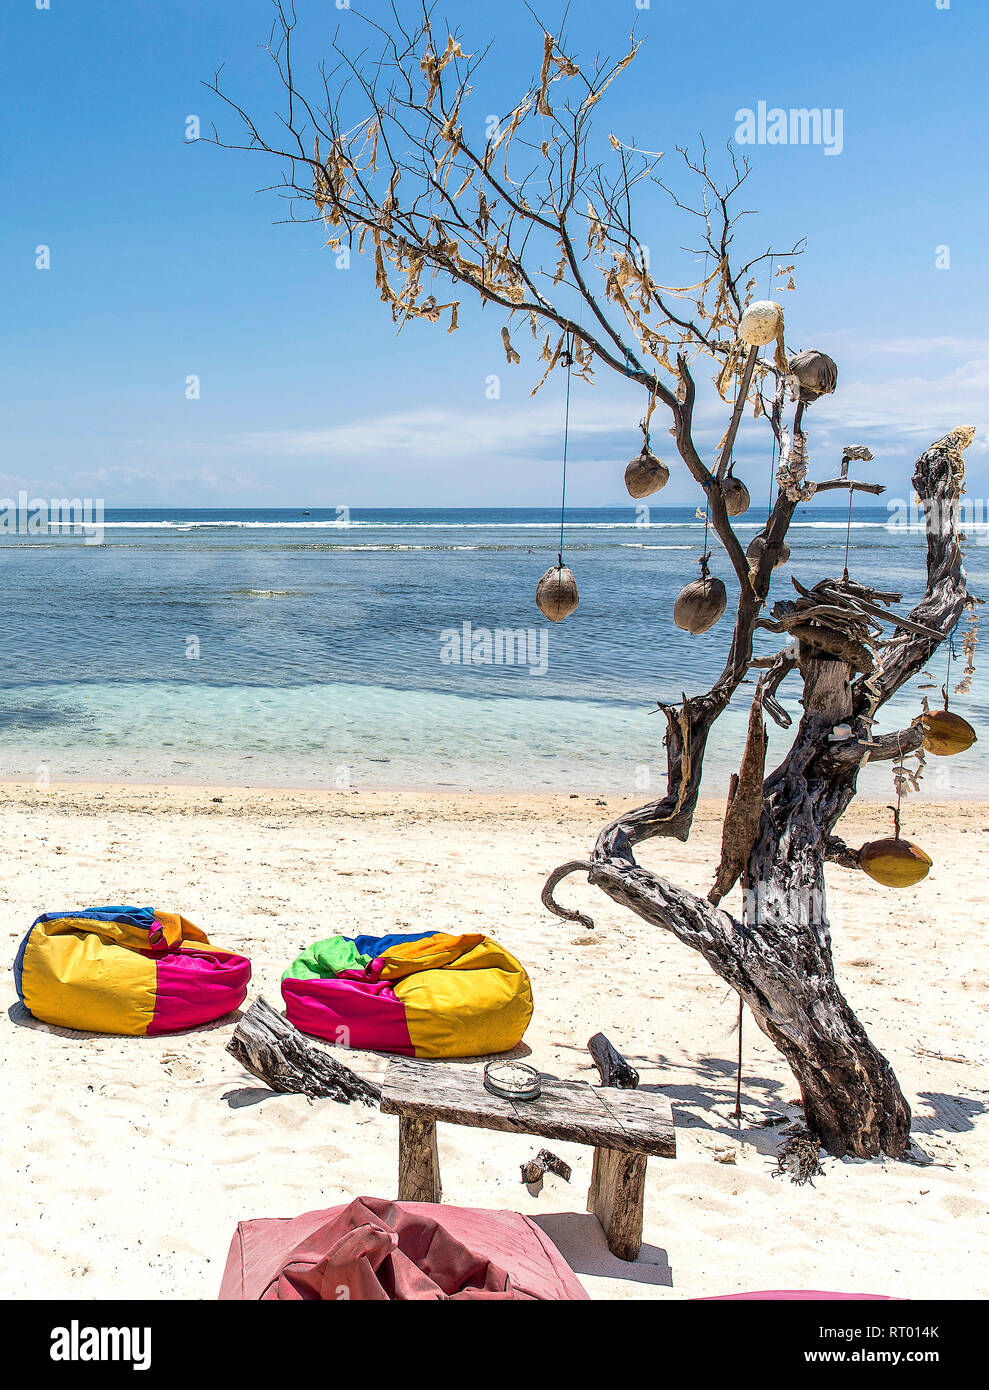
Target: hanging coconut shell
x,y
737,497
761,323
700,604
946,733
895,863
816,372
756,548
556,593
646,474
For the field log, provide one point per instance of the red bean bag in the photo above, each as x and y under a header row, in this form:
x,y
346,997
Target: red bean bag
x,y
379,1250
814,1295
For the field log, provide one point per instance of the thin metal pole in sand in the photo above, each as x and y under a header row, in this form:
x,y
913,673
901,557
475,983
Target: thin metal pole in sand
x,y
737,1112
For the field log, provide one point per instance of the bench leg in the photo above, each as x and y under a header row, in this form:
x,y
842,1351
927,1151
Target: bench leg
x,y
618,1185
418,1162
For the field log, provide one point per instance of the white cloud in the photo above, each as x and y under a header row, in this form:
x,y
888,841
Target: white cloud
x,y
916,347
906,409
899,410
505,427
515,440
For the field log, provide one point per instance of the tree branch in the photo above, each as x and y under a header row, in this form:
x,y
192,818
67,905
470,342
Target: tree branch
x,y
938,480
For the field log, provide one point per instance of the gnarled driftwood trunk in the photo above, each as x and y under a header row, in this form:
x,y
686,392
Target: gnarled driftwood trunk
x,y
777,955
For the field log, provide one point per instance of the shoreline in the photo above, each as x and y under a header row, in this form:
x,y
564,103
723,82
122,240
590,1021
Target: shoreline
x,y
537,796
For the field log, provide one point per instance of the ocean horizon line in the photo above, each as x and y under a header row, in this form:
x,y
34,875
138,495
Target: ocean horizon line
x,y
550,508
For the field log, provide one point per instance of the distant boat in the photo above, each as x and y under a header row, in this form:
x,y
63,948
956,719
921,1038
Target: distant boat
x,y
307,513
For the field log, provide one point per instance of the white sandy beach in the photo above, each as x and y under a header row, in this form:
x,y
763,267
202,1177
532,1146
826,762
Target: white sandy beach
x,y
128,1161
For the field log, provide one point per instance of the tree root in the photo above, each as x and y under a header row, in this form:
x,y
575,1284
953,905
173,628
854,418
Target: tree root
x,y
798,1159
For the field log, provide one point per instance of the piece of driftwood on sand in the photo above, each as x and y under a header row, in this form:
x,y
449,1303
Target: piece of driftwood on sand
x,y
272,1049
544,1162
613,1068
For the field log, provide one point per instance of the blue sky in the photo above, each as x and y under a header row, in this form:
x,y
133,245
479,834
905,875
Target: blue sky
x,y
166,261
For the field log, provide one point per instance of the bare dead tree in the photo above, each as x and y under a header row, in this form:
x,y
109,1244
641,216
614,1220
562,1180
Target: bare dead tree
x,y
537,221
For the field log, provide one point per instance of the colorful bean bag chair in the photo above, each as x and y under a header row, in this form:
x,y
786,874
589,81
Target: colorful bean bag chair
x,y
126,970
382,1251
426,995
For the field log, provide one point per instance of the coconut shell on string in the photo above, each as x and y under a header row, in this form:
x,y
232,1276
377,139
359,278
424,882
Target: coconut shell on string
x,y
756,548
737,497
816,373
894,862
646,475
946,734
700,604
761,323
556,593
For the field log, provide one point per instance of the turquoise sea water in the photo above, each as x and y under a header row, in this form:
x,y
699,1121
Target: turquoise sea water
x,y
286,649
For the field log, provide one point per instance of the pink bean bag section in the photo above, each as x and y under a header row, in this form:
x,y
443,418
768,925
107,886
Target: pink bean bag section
x,y
196,987
356,1012
816,1295
376,1250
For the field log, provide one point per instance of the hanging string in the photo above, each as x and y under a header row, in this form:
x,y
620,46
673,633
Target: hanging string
x,y
848,532
737,1112
704,550
568,359
707,505
898,780
951,653
947,670
772,462
772,472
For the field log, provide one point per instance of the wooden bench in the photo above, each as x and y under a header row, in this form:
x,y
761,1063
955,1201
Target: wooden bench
x,y
625,1128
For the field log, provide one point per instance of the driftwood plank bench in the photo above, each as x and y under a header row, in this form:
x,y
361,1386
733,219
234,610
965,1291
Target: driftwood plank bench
x,y
624,1128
